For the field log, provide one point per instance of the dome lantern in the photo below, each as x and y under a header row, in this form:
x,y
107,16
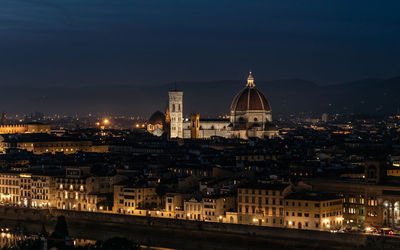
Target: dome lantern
x,y
250,81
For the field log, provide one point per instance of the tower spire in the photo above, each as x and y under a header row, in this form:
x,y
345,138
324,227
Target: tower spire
x,y
250,81
3,119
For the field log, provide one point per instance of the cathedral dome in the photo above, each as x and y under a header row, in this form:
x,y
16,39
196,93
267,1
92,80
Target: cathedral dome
x,y
250,98
157,118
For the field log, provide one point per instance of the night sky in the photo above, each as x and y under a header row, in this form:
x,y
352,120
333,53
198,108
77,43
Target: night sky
x,y
98,42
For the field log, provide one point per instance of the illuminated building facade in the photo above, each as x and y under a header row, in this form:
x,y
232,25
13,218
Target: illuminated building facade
x,y
194,209
44,144
28,128
262,204
209,208
365,204
26,189
313,211
128,199
174,204
43,190
80,191
10,188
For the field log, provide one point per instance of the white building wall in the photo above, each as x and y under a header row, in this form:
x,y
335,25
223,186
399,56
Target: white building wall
x,y
209,129
176,113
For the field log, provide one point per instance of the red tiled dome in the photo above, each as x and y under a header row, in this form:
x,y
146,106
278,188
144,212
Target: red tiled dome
x,y
250,98
157,118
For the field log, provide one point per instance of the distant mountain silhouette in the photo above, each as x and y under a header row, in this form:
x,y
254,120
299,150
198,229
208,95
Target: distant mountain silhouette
x,y
208,98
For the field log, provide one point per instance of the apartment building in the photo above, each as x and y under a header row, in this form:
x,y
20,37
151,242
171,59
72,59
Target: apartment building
x,y
314,211
262,204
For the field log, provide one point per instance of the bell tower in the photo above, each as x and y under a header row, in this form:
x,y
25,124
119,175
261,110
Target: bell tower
x,y
194,126
3,119
176,113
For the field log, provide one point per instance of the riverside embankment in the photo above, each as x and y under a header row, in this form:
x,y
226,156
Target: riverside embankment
x,y
184,234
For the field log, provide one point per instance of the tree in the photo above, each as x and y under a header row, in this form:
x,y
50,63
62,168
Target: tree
x,y
61,228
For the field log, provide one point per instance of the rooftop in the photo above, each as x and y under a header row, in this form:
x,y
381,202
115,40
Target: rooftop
x,y
312,196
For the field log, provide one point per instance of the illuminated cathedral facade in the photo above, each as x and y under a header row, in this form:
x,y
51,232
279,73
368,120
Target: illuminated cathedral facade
x,y
250,116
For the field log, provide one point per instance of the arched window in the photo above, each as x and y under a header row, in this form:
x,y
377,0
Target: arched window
x,y
255,119
173,107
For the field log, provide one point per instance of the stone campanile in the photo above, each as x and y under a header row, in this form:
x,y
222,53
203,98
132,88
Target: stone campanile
x,y
3,119
176,113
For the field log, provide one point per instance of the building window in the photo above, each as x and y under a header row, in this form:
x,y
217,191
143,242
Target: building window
x,y
352,210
